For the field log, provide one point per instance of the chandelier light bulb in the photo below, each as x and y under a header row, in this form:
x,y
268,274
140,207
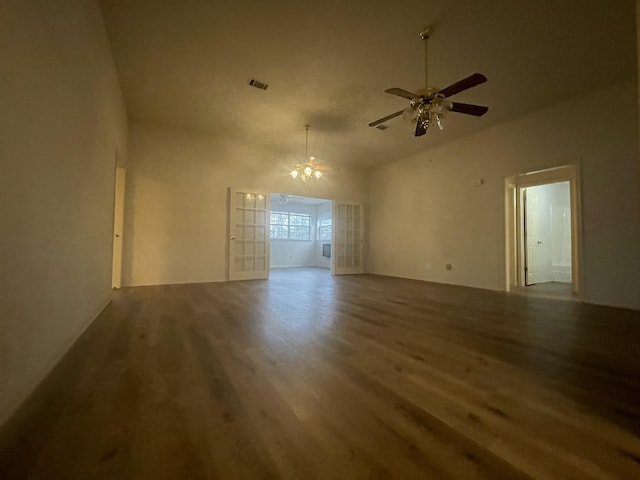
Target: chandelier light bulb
x,y
318,174
294,174
307,170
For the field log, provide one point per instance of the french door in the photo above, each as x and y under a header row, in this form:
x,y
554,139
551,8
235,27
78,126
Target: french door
x,y
249,234
348,238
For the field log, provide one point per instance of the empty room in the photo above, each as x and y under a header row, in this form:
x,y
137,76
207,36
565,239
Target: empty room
x,y
319,240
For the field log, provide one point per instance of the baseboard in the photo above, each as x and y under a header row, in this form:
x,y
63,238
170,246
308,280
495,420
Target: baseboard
x,y
289,267
16,400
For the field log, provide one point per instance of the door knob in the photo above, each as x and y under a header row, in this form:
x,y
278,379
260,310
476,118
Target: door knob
x,y
233,238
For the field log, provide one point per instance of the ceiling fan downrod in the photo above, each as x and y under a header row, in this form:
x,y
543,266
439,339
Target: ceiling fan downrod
x,y
424,35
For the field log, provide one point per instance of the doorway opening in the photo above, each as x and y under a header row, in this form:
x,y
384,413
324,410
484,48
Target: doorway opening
x,y
543,235
546,214
300,232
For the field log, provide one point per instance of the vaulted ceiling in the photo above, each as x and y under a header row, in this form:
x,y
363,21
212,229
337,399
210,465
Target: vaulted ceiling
x,y
327,63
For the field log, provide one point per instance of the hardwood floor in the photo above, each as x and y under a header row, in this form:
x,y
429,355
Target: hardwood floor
x,y
310,376
557,290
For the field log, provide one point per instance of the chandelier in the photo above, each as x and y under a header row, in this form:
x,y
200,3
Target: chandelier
x,y
309,169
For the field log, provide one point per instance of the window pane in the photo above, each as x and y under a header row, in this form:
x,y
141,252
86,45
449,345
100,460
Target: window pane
x,y
279,231
299,233
324,233
279,218
324,229
300,219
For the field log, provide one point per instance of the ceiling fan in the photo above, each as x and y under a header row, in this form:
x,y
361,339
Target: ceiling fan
x,y
430,105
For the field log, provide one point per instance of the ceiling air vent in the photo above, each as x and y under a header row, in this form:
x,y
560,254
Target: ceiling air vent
x,y
381,127
258,84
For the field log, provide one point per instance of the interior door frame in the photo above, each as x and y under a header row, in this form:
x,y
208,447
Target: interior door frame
x,y
515,260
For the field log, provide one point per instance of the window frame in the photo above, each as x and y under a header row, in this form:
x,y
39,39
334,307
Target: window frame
x,y
297,226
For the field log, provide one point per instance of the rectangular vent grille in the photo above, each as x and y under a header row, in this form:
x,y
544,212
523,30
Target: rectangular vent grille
x,y
258,84
382,127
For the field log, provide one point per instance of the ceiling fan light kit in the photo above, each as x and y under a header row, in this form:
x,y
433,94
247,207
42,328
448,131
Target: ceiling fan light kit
x,y
431,105
308,170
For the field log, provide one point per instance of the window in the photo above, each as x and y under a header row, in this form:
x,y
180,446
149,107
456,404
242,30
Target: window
x,y
290,226
324,229
279,225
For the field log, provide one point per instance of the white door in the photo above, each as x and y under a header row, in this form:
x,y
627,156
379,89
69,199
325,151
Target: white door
x,y
538,224
348,238
535,271
532,243
118,226
249,234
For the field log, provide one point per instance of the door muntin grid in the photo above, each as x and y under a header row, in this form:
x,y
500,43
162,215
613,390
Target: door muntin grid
x,y
250,233
349,236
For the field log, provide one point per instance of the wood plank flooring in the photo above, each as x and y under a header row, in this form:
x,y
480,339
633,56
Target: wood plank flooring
x,y
308,376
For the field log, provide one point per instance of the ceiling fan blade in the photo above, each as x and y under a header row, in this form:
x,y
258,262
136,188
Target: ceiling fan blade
x,y
401,93
384,119
420,130
469,109
464,84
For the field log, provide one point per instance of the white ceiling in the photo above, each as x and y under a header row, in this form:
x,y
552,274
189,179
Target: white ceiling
x,y
188,62
297,200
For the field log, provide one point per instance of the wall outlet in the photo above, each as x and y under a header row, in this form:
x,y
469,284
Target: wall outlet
x,y
427,266
448,266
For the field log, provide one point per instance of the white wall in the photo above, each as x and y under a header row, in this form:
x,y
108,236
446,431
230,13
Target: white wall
x,y
294,253
176,210
560,232
61,119
425,211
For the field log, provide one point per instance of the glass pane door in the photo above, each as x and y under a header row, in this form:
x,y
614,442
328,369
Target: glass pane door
x,y
348,238
249,239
